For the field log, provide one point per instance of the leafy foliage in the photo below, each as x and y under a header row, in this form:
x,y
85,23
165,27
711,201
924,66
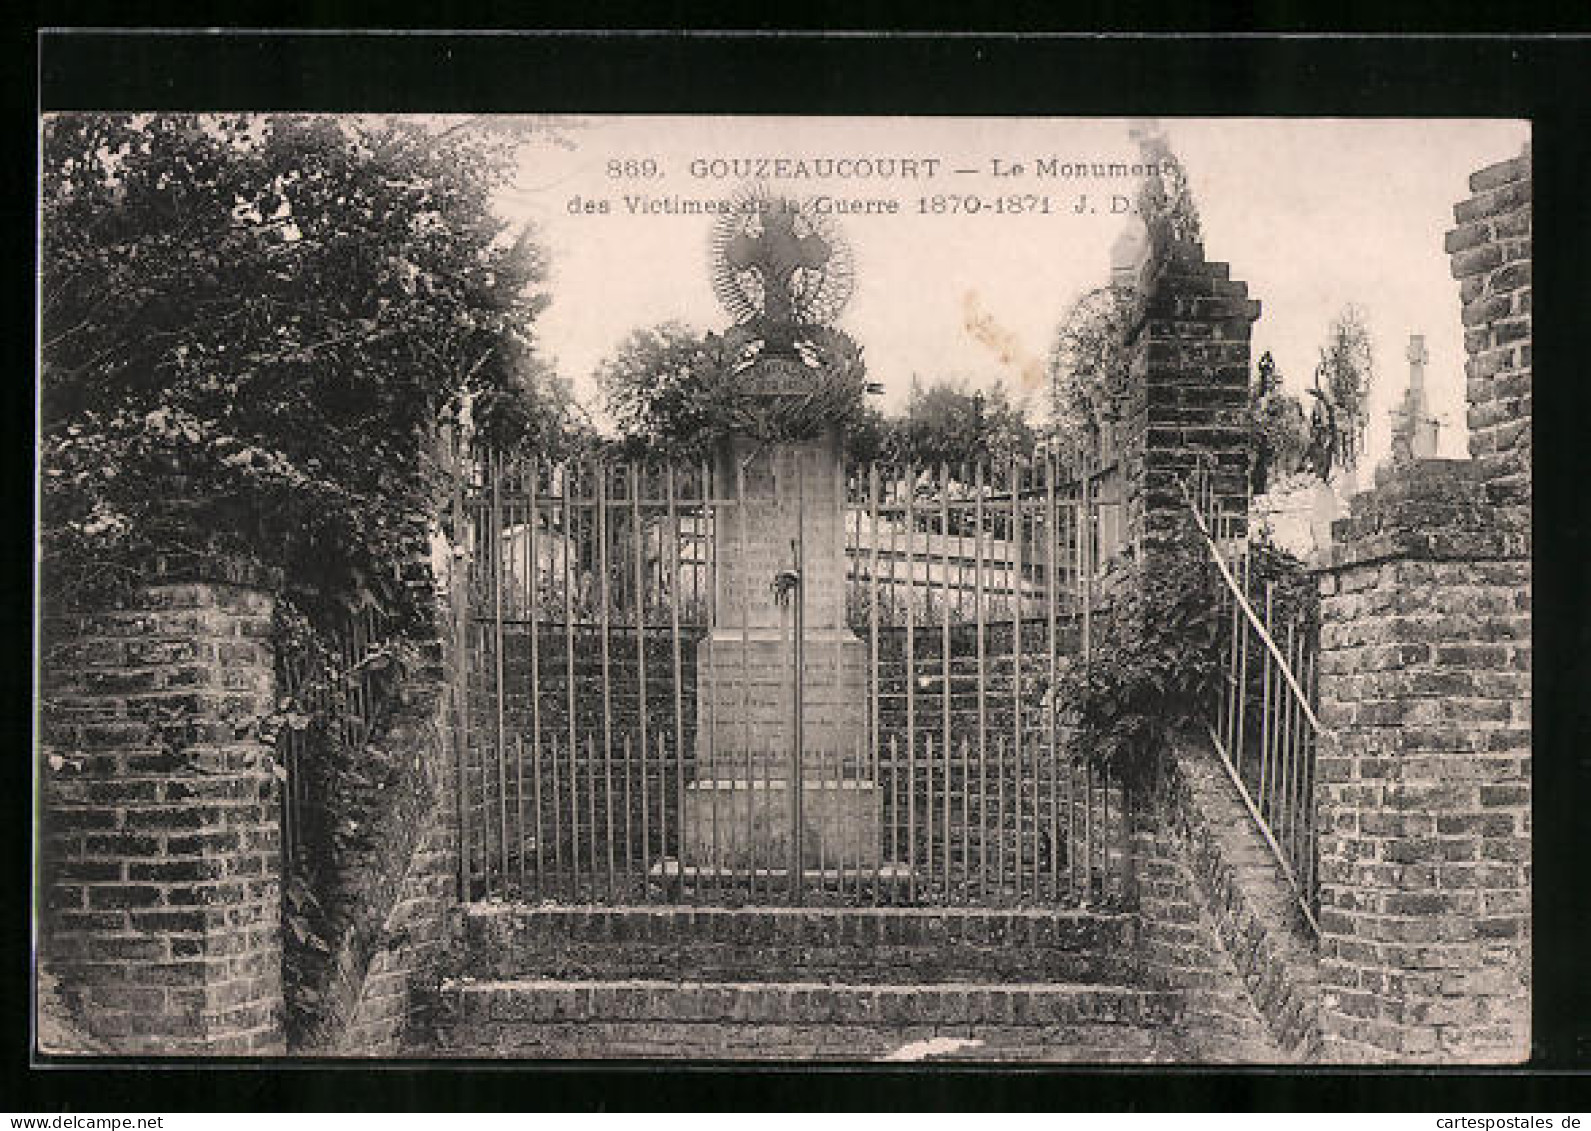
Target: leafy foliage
x,y
1281,435
948,423
1089,366
674,393
1159,647
250,330
250,327
1153,664
1341,395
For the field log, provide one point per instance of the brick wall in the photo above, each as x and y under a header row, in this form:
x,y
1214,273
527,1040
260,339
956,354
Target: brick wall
x,y
1253,910
1182,950
1188,401
1424,781
392,976
1219,924
1490,249
160,835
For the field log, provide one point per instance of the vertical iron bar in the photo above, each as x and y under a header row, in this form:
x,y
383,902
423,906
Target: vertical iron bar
x,y
966,816
824,772
930,858
911,684
574,821
1266,729
1052,583
1016,658
790,679
875,689
591,814
567,482
1311,828
1300,742
1079,517
848,556
459,577
676,594
638,547
604,598
535,785
1240,742
911,818
745,669
1284,781
557,815
628,771
944,644
1090,533
979,582
894,813
1234,688
713,498
945,822
495,465
533,600
797,791
999,814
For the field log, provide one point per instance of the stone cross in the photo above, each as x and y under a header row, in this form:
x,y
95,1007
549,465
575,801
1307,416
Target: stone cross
x,y
1413,429
776,254
1417,358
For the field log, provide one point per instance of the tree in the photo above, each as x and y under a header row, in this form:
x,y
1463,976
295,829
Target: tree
x,y
1089,366
674,392
1341,395
250,327
660,388
946,423
1281,435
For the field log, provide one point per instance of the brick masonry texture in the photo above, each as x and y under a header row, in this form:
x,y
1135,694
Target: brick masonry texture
x,y
1188,400
1252,907
862,945
160,821
827,983
417,877
805,1021
1182,950
1491,259
1424,779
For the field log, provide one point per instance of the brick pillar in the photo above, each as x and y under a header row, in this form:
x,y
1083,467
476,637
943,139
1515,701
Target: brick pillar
x,y
1423,788
160,829
1490,249
1188,397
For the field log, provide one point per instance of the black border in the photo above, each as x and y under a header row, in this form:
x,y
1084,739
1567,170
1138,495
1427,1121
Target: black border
x,y
1544,79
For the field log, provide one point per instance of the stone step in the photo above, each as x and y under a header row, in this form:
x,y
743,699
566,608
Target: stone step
x,y
756,1020
708,1041
862,946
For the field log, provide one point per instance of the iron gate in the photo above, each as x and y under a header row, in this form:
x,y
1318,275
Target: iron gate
x,y
772,679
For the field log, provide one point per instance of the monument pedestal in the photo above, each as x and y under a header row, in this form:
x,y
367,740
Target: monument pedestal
x,y
741,825
739,812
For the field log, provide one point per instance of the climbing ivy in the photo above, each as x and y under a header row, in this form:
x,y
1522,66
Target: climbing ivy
x,y
1158,649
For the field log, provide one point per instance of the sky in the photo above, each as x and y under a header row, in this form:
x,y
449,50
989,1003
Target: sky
x,y
1313,214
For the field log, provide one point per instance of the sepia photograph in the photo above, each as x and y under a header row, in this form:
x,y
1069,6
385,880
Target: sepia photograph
x,y
856,590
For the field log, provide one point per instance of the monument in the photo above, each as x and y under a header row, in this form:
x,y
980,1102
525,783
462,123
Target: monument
x,y
782,772
1414,428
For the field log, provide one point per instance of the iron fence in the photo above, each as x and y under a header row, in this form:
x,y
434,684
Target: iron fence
x,y
631,737
329,696
1263,725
